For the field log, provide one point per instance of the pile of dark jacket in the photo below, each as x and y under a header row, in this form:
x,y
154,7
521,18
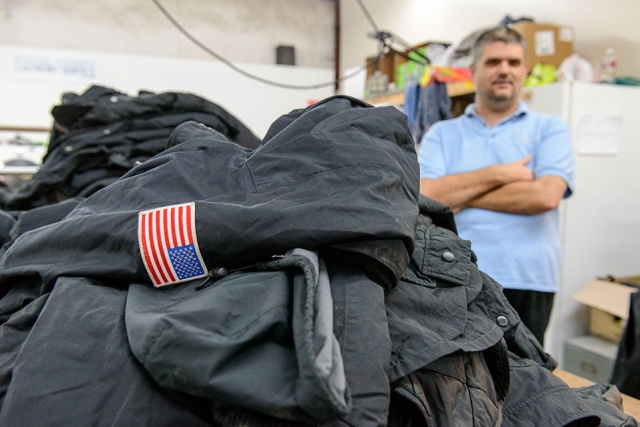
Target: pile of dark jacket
x,y
99,135
335,296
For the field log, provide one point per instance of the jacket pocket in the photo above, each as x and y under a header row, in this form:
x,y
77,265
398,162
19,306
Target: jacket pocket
x,y
439,254
447,257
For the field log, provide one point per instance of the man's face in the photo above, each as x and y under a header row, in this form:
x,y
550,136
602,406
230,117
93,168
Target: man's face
x,y
500,72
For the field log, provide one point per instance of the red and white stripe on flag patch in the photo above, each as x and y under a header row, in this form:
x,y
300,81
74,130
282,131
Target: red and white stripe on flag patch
x,y
169,246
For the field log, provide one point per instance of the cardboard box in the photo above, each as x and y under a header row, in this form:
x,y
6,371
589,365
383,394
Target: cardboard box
x,y
590,357
608,307
384,64
546,43
627,280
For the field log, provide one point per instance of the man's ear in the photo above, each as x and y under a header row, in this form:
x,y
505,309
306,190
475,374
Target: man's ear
x,y
472,69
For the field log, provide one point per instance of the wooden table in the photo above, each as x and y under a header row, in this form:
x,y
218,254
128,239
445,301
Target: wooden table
x,y
631,405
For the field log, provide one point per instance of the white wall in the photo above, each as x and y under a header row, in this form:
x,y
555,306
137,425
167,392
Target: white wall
x,y
596,25
28,97
135,47
240,30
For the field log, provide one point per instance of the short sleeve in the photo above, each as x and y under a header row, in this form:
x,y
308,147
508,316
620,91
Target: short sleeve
x,y
554,153
431,155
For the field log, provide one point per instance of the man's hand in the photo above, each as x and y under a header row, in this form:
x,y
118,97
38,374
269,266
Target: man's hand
x,y
514,171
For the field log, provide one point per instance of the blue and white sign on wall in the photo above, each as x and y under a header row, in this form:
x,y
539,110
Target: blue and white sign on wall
x,y
52,66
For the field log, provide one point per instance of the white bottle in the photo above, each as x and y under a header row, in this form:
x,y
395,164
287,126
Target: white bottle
x,y
608,67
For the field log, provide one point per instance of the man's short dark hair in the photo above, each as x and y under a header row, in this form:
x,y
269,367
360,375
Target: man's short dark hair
x,y
497,34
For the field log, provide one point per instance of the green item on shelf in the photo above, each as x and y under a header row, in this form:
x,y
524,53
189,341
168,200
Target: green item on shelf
x,y
541,74
401,72
414,57
628,81
410,71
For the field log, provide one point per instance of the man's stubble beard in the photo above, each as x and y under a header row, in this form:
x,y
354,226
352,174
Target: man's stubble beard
x,y
500,102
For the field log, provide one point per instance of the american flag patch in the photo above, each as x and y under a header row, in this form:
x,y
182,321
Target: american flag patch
x,y
168,244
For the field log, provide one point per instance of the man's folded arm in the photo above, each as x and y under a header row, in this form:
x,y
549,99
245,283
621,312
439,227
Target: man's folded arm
x,y
522,197
458,190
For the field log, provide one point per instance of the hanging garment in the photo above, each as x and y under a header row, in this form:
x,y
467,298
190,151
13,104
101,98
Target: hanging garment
x,y
410,106
434,104
625,369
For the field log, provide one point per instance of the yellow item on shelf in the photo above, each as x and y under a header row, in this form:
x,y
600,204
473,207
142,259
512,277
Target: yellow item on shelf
x,y
426,76
446,75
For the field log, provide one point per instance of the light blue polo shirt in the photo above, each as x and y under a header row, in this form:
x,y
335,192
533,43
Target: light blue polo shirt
x,y
519,251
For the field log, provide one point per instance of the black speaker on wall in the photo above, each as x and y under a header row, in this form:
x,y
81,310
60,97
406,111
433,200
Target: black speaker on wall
x,y
286,55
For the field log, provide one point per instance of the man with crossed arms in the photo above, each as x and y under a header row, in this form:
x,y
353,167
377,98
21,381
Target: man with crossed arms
x,y
503,170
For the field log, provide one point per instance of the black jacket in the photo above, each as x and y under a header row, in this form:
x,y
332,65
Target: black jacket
x,y
340,178
341,173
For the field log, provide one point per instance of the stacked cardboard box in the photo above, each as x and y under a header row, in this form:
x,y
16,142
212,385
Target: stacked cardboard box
x,y
593,356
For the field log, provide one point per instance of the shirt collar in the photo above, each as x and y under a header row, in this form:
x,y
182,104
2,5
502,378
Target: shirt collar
x,y
523,109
